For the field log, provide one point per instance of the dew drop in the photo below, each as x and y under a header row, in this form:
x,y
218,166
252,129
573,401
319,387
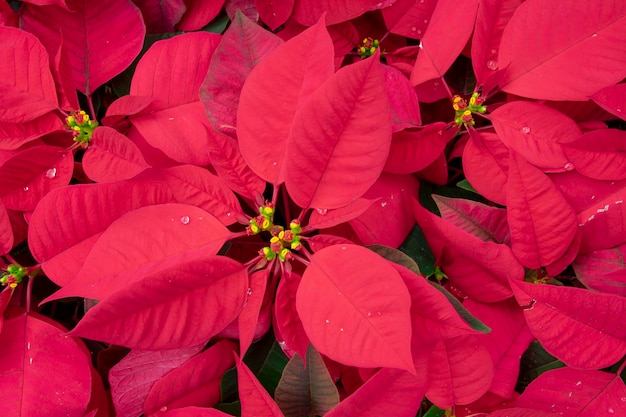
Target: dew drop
x,y
525,129
590,218
425,20
413,29
171,118
568,167
341,329
611,411
369,314
623,399
593,197
200,218
274,163
421,1
184,219
383,204
619,201
249,292
30,361
493,52
618,110
378,313
321,211
26,188
28,346
570,394
343,248
327,321
492,65
419,32
228,214
51,173
163,409
594,35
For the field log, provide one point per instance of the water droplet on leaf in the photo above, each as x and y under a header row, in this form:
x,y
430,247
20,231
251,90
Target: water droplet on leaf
x,y
26,188
327,321
321,211
341,330
274,163
568,167
492,65
383,204
611,411
493,52
425,20
525,129
184,219
51,173
414,29
594,35
369,314
249,292
618,110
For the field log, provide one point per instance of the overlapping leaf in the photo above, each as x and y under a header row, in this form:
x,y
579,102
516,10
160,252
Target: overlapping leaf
x,y
242,47
354,316
308,12
612,99
486,166
133,376
579,327
599,154
265,114
543,225
90,44
340,138
584,39
413,150
255,401
173,308
195,383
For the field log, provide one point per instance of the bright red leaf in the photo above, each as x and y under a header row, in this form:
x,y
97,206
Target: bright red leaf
x,y
486,166
31,350
255,401
438,49
133,241
274,12
163,310
574,392
388,392
612,99
308,12
603,270
408,17
340,138
265,115
584,39
161,16
579,327
599,154
354,316
543,225
198,13
415,150
91,45
403,99
536,132
194,383
287,322
111,156
249,316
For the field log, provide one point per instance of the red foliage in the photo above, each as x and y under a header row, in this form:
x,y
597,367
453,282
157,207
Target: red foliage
x,y
281,182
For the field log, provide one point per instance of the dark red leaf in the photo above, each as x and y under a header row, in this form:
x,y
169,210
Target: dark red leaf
x,y
162,311
340,138
584,39
6,231
308,12
160,16
91,44
199,13
579,327
194,383
195,412
132,378
603,270
403,99
249,317
242,47
265,114
354,316
274,12
306,390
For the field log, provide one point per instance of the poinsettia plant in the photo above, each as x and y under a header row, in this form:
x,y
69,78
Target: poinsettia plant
x,y
313,208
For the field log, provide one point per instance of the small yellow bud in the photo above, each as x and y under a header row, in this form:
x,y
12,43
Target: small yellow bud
x,y
467,113
71,119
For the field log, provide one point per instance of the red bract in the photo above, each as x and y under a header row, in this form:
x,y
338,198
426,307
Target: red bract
x,y
296,207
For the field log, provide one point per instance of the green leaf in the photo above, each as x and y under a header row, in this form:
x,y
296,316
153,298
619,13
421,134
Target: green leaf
x,y
309,390
535,361
465,185
435,411
416,247
463,312
396,256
